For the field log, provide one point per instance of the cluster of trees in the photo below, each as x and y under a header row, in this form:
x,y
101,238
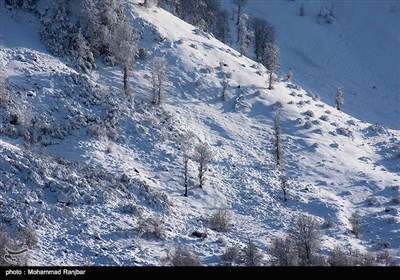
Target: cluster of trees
x,y
204,14
324,15
98,28
300,247
27,5
201,154
262,33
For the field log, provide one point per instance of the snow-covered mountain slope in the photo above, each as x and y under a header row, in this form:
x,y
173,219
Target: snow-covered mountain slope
x,y
360,50
101,166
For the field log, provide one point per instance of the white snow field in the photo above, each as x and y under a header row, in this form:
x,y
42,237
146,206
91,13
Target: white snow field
x,y
102,165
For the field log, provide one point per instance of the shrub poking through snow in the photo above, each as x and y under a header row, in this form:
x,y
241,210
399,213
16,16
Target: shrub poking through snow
x,y
232,256
309,113
252,256
220,220
283,252
152,227
182,256
356,225
345,131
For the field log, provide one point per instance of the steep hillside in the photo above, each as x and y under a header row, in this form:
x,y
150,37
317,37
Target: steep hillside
x,y
100,179
358,50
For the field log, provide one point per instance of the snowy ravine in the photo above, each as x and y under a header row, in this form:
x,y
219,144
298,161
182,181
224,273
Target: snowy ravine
x,y
101,165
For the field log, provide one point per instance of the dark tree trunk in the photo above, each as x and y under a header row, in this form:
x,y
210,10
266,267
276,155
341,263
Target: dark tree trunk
x,y
270,80
186,160
238,17
126,85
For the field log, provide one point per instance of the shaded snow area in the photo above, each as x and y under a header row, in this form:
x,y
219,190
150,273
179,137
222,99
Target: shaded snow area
x,y
99,180
358,50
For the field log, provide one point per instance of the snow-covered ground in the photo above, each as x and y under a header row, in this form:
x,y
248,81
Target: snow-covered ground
x,y
359,51
89,187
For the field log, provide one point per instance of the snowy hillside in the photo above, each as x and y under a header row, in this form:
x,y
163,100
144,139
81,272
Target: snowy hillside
x,y
91,178
359,50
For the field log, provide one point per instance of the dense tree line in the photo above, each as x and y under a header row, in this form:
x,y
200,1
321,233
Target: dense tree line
x,y
84,30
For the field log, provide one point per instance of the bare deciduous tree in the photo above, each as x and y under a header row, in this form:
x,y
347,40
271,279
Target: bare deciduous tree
x,y
270,60
301,10
225,84
244,34
339,99
231,256
240,4
124,48
159,75
277,141
289,75
284,187
186,148
203,155
283,252
252,256
356,225
306,235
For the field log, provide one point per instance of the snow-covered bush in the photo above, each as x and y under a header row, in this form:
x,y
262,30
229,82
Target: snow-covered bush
x,y
4,95
372,201
277,105
309,113
182,256
316,98
307,124
357,227
95,130
338,257
324,118
143,53
327,224
378,129
283,252
345,131
386,259
251,255
232,256
131,208
395,199
157,200
352,257
316,122
351,122
220,220
151,227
